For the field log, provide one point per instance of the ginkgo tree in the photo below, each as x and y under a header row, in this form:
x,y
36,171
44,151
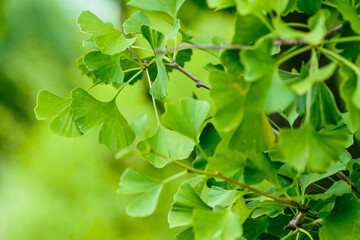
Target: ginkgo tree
x,y
230,140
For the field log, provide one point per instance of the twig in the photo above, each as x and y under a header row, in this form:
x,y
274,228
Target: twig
x,y
300,207
295,223
197,46
175,65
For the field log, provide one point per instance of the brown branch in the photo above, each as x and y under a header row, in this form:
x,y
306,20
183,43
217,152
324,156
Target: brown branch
x,y
197,46
175,65
300,207
296,221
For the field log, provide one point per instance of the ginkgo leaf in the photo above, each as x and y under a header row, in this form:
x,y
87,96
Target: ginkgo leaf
x,y
307,147
344,220
187,119
349,14
109,40
258,138
185,201
90,114
50,105
133,182
170,7
165,145
315,36
134,23
105,67
229,95
221,224
157,40
172,35
222,197
338,189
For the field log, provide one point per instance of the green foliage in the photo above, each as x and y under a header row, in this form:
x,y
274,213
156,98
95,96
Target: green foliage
x,y
254,181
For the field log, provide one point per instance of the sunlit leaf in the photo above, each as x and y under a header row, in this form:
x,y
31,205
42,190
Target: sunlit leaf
x,y
105,67
188,118
170,7
134,23
109,40
165,145
90,114
133,182
50,105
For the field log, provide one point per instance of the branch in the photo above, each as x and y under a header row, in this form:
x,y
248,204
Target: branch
x,y
175,65
197,46
296,221
300,207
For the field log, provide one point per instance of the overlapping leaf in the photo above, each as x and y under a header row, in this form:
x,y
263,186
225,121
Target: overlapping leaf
x,y
187,119
170,7
307,147
105,67
349,14
223,224
165,145
157,40
49,105
90,114
108,39
133,182
134,23
185,201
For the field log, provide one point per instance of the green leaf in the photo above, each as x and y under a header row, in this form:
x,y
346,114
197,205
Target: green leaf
x,y
165,145
185,201
209,139
349,13
244,7
344,221
50,105
220,4
304,85
306,147
308,6
348,86
222,197
170,7
337,189
307,179
109,40
258,61
314,36
84,70
248,29
105,67
188,118
254,134
223,225
187,234
258,167
90,114
133,182
172,35
227,161
324,111
229,95
134,23
157,40
268,208
139,125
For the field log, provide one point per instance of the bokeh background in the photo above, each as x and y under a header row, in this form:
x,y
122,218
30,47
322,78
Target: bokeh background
x,y
61,188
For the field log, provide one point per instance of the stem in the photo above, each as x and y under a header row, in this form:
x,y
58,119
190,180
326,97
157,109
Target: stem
x,y
292,54
230,180
173,177
95,84
344,39
142,48
132,69
153,99
340,58
306,232
289,235
266,23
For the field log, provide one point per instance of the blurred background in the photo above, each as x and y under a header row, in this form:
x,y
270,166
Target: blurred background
x,y
65,188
